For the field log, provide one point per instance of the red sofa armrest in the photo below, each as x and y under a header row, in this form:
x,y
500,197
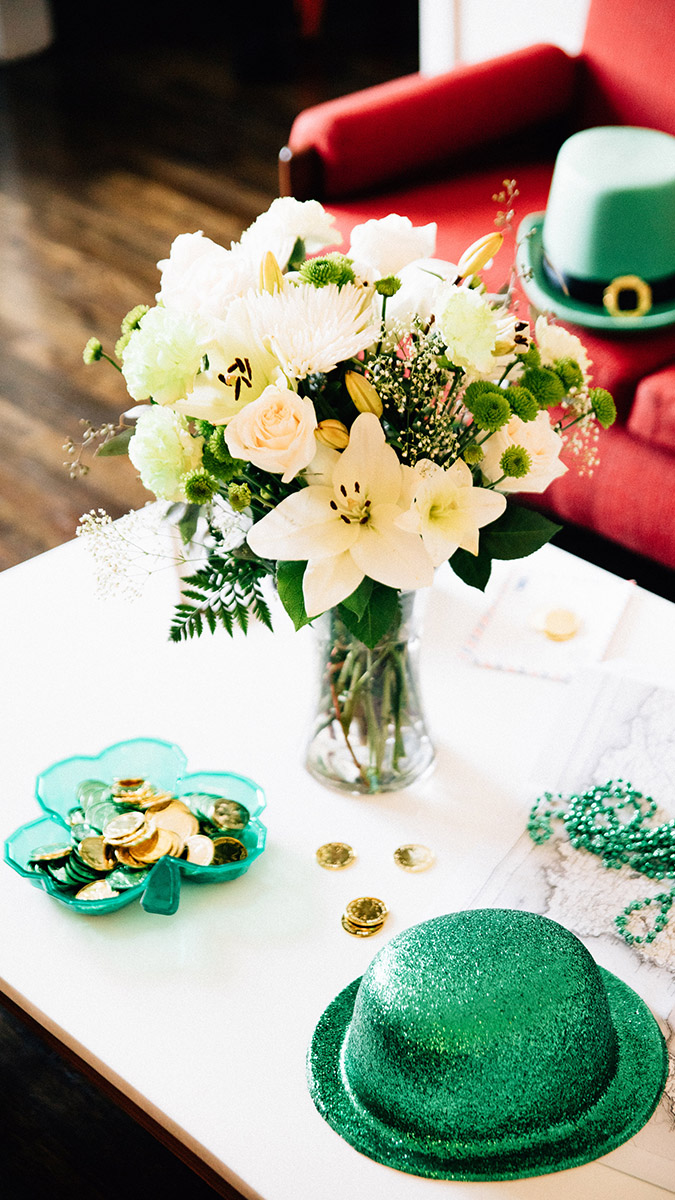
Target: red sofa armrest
x,y
370,137
652,416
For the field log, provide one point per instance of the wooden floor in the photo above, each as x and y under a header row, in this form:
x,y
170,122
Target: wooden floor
x,y
107,152
111,143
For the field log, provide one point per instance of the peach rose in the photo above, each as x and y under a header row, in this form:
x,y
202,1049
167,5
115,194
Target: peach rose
x,y
274,432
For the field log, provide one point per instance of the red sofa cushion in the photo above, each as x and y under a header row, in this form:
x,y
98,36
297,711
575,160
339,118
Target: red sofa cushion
x,y
652,416
407,124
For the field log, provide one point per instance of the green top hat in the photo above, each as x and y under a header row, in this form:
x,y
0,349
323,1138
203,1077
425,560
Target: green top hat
x,y
486,1045
603,254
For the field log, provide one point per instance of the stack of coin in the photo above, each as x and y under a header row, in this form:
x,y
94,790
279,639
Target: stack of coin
x,y
364,916
113,846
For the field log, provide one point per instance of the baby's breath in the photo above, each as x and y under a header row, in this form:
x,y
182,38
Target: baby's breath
x,y
415,388
127,551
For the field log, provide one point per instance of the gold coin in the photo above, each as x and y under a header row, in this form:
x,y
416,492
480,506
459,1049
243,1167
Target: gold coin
x,y
366,911
94,851
334,856
177,818
561,624
52,853
414,857
147,841
100,889
227,850
228,814
126,858
166,843
123,828
199,849
128,785
360,930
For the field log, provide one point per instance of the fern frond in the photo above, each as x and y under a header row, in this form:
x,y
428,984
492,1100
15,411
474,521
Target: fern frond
x,y
225,591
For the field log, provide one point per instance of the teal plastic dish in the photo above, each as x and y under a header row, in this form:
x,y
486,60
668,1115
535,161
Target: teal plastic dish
x,y
165,764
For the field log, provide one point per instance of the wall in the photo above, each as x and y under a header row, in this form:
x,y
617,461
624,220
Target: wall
x,y
470,30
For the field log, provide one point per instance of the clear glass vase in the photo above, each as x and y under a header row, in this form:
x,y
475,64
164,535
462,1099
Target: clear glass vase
x,y
369,733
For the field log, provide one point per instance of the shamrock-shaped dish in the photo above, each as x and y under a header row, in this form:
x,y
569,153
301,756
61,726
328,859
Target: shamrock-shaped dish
x,y
227,808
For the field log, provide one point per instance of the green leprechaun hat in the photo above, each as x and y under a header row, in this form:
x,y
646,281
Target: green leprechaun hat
x,y
485,1045
603,253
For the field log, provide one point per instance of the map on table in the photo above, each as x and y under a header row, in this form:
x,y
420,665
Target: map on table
x,y
613,726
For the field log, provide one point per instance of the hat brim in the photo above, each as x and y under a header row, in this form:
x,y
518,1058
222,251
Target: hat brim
x,y
621,1111
547,299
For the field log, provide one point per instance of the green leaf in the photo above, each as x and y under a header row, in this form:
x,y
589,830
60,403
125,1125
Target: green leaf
x,y
473,569
119,444
382,611
289,586
188,522
517,533
359,598
297,255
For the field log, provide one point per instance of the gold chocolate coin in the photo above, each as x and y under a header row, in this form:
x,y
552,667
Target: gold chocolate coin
x,y
199,849
227,850
366,911
177,818
96,854
360,930
165,842
123,828
334,856
414,857
561,624
128,785
228,814
51,853
126,858
100,889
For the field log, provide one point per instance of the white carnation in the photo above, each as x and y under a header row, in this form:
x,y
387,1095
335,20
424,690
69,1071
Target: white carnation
x,y
164,355
163,450
469,327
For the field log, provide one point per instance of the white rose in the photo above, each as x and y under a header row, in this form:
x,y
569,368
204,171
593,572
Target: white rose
x,y
275,432
384,247
542,444
163,450
278,229
199,276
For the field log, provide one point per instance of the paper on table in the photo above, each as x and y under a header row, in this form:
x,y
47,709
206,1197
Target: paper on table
x,y
612,725
507,638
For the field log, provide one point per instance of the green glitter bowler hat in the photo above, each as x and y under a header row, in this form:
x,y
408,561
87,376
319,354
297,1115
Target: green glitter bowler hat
x,y
486,1045
603,253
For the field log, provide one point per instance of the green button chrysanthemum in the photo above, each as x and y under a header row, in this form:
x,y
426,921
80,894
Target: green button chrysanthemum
x,y
92,351
199,486
603,406
488,405
569,372
522,403
515,462
330,268
546,387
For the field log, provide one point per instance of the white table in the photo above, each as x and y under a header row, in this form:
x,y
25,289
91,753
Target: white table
x,y
251,965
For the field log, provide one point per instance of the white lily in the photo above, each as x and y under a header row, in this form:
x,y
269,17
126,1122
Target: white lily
x,y
447,510
348,528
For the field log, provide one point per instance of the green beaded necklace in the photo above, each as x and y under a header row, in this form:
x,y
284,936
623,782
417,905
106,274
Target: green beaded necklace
x,y
612,821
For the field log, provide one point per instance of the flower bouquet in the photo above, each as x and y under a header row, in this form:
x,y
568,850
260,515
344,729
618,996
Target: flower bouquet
x,y
343,424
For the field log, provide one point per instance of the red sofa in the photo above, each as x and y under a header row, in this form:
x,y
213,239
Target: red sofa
x,y
438,149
